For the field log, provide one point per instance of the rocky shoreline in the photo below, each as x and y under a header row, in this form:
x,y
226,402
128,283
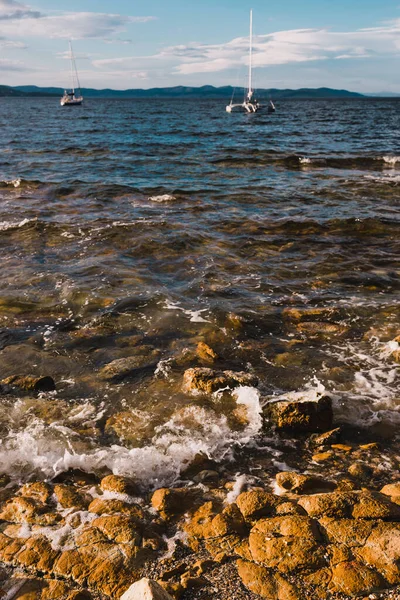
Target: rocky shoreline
x,y
331,531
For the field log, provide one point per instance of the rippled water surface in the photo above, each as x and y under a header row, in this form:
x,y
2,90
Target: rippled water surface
x,y
141,228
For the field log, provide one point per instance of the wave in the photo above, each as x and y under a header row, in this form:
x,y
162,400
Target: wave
x,y
49,450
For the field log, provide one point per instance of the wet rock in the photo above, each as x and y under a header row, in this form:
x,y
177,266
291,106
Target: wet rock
x,y
146,589
322,457
69,497
265,583
256,504
200,462
200,525
360,471
29,383
27,510
208,380
131,428
119,485
39,490
204,352
303,415
207,476
99,506
121,368
299,484
315,329
172,503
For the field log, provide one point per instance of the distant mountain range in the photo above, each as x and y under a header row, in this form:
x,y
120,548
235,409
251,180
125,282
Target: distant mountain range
x,y
206,91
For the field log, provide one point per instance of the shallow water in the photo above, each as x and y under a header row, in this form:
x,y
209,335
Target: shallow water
x,y
138,227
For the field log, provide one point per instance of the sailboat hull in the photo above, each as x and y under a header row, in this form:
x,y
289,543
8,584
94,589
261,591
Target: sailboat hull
x,y
71,101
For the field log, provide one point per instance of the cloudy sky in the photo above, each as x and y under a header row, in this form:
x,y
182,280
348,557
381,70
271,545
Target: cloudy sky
x,y
352,44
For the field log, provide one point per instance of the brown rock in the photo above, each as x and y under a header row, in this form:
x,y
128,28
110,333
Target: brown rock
x,y
69,497
322,457
119,529
291,525
119,485
382,550
353,578
372,505
298,483
200,525
335,504
255,504
230,521
39,554
300,415
172,502
208,381
38,490
287,544
351,532
266,584
360,471
392,490
323,439
26,510
109,507
206,353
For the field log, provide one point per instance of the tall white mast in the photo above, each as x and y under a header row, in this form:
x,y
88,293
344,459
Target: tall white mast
x,y
250,92
72,67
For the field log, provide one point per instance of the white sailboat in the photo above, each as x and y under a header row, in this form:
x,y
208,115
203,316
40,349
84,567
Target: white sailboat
x,y
250,104
72,97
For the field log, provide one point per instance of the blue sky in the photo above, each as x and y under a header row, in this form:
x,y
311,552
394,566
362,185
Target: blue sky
x,y
352,44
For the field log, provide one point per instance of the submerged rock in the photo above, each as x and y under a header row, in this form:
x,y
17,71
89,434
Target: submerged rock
x,y
146,589
29,383
208,380
300,415
121,368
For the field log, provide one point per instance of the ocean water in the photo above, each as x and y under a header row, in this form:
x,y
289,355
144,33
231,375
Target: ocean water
x,y
143,227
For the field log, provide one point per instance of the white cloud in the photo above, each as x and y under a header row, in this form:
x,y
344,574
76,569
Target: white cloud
x,y
285,47
11,44
11,9
19,20
11,65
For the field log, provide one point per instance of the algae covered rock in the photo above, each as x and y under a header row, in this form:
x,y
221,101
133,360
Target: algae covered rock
x,y
299,484
170,502
255,504
301,414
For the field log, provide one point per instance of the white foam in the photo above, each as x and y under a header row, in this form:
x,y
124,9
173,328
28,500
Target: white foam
x,y
305,161
391,160
312,392
162,198
5,225
190,431
238,486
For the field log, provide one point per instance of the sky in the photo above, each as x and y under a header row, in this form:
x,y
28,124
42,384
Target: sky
x,y
346,44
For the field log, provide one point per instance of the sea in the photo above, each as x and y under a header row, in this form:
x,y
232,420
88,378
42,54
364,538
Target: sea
x,y
143,228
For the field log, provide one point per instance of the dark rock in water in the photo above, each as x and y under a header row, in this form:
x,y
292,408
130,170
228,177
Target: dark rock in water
x,y
209,381
121,368
28,383
300,415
